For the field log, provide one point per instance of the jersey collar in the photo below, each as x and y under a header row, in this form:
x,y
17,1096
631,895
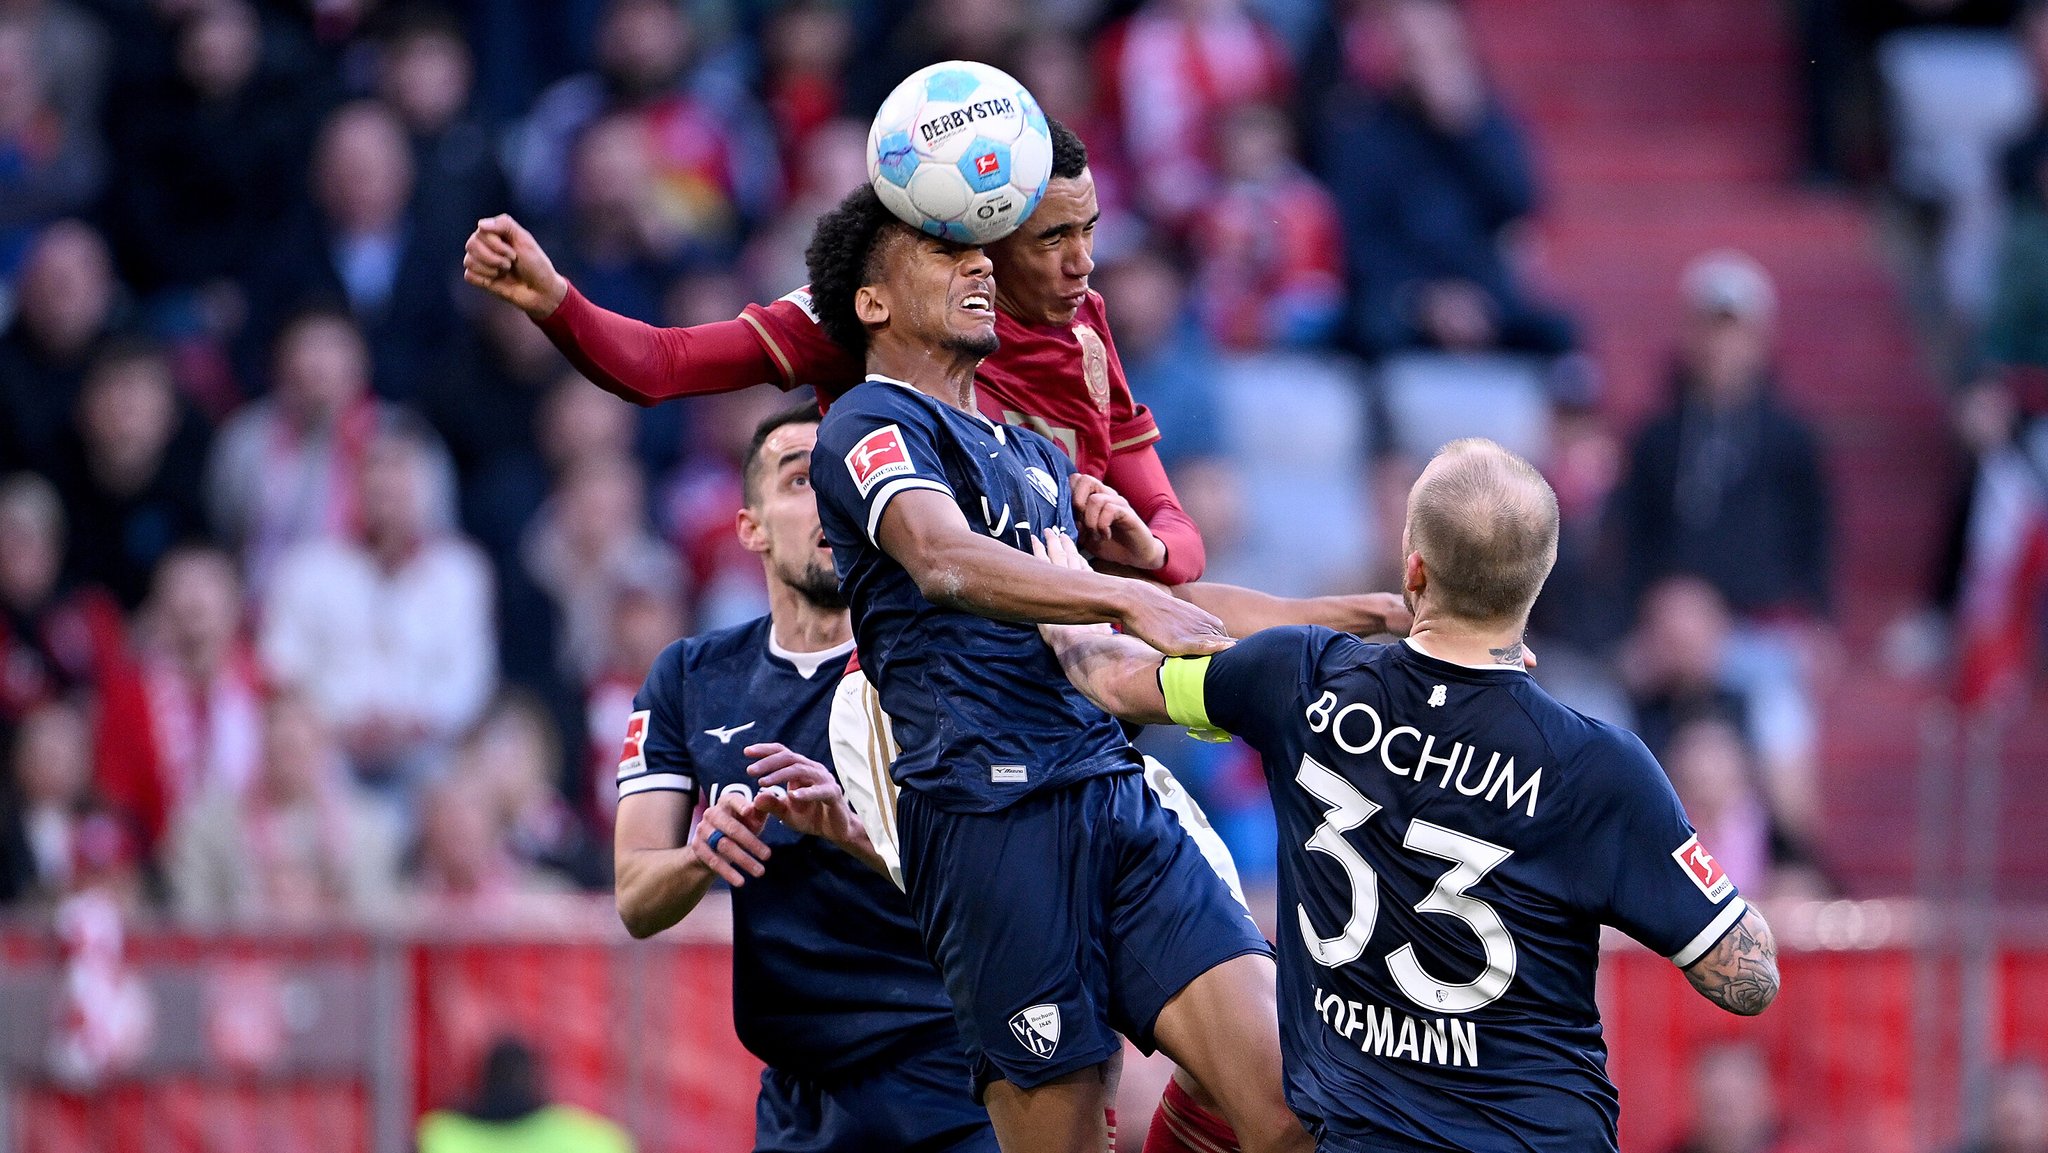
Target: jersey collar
x,y
808,664
1418,650
976,413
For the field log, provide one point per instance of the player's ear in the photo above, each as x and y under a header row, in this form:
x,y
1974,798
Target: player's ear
x,y
870,306
1414,576
753,535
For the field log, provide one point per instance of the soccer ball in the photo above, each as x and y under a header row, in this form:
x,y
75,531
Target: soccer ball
x,y
961,151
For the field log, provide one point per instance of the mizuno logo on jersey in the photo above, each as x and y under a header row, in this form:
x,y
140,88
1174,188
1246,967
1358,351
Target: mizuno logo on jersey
x,y
878,456
725,736
1038,1029
1704,870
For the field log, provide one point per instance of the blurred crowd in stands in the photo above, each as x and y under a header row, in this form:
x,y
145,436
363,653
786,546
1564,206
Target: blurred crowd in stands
x,y
325,583
1941,104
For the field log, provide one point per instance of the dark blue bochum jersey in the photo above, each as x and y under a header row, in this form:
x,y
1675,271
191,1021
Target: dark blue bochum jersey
x,y
829,971
1462,837
981,710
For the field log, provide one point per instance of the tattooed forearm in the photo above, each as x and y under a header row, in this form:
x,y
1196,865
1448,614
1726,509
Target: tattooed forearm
x,y
1741,973
1514,655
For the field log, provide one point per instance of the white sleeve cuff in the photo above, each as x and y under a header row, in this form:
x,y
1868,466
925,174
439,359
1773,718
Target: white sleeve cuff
x,y
1715,930
889,493
657,783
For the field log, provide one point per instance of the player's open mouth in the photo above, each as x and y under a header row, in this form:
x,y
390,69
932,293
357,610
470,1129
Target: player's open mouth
x,y
978,302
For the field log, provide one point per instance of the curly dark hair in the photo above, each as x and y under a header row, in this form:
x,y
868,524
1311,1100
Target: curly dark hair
x,y
1069,155
842,258
846,244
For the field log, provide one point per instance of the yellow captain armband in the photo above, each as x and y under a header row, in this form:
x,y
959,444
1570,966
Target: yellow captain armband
x,y
1180,682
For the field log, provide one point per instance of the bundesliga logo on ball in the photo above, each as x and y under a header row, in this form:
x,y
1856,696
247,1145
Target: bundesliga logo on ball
x,y
960,150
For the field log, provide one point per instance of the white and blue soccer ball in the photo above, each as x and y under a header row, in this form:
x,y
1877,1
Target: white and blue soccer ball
x,y
961,151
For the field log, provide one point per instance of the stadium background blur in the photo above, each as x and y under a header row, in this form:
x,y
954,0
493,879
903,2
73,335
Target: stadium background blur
x,y
325,583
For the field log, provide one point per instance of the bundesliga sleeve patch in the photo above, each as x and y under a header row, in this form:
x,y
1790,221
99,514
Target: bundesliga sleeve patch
x,y
633,758
802,299
878,456
1703,869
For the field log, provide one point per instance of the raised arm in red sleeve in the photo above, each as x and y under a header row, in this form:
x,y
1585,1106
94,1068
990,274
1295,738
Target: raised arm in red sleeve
x,y
1137,474
647,365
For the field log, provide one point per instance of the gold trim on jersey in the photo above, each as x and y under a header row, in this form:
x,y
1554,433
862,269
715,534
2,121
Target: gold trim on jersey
x,y
882,752
1146,437
774,349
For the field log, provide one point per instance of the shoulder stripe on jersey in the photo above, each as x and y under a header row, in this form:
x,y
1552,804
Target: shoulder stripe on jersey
x,y
657,783
1181,683
1712,934
1143,438
877,768
881,754
774,350
889,492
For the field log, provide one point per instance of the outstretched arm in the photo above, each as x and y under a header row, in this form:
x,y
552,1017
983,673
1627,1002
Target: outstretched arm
x,y
1120,674
625,357
1740,974
646,365
1115,531
1245,611
956,567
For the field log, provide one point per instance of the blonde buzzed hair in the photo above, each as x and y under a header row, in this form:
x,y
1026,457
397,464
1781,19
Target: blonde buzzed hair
x,y
1485,522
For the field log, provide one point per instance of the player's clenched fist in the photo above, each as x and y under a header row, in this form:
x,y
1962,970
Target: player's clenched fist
x,y
1111,529
810,800
726,840
503,259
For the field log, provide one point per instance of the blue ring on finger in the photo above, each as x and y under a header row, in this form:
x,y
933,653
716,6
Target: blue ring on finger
x,y
711,842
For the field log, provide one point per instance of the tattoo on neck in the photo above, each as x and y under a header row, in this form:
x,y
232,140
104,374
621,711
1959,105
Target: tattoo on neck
x,y
1511,655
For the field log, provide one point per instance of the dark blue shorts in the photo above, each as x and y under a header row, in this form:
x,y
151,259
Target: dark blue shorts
x,y
1063,920
919,1103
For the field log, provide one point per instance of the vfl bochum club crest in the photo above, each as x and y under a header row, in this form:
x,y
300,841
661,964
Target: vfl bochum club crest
x,y
1038,1029
1043,483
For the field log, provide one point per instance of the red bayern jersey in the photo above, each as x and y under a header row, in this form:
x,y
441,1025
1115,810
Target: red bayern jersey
x,y
1062,381
1065,381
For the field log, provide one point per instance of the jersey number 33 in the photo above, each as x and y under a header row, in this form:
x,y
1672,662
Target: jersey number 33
x,y
1345,809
